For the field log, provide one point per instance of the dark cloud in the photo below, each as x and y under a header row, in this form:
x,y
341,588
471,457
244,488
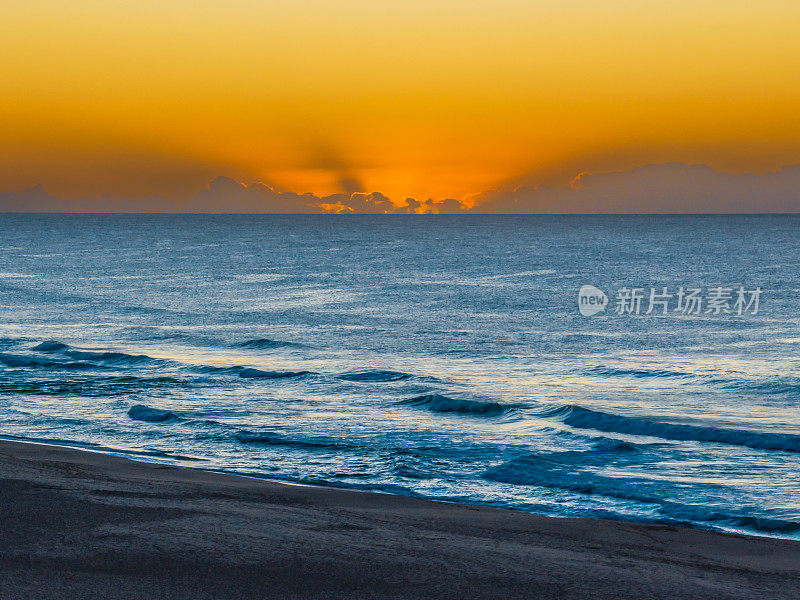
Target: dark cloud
x,y
447,206
109,172
222,195
665,188
36,199
411,207
227,195
372,203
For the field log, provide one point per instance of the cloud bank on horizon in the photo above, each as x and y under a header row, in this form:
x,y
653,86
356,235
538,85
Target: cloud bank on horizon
x,y
670,188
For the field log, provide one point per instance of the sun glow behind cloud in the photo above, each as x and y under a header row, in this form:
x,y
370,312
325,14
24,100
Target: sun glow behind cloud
x,y
423,99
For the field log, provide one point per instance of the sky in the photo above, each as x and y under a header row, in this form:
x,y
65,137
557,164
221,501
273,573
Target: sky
x,y
446,103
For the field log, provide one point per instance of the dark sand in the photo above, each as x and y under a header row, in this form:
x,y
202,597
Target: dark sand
x,y
78,524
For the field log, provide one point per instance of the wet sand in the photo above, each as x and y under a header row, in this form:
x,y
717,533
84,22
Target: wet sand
x,y
76,524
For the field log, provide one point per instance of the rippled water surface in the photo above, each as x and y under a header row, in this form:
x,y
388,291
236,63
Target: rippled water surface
x,y
441,356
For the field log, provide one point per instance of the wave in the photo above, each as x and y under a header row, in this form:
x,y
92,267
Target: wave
x,y
50,346
544,471
140,412
21,361
766,387
609,445
638,373
602,452
110,357
55,347
602,444
766,524
251,373
148,333
375,376
444,404
788,386
584,418
122,358
6,342
267,344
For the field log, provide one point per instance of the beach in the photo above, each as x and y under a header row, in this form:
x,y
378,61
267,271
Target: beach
x,y
84,524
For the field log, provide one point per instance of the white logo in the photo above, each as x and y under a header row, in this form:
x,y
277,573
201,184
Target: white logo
x,y
591,300
716,301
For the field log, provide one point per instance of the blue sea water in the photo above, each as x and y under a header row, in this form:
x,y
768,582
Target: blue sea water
x,y
440,356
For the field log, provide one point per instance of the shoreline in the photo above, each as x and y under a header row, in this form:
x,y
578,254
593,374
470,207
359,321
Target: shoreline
x,y
193,463
79,522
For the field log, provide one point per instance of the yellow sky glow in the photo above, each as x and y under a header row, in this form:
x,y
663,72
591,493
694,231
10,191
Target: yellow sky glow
x,y
413,99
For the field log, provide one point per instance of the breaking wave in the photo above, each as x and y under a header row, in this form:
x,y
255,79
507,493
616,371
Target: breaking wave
x,y
546,471
140,412
375,376
444,404
54,347
638,373
267,344
251,373
20,361
585,418
50,346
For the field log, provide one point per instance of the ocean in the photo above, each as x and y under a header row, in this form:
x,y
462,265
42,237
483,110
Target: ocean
x,y
439,356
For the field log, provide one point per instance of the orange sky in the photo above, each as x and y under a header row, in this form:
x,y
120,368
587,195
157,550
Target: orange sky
x,y
412,98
